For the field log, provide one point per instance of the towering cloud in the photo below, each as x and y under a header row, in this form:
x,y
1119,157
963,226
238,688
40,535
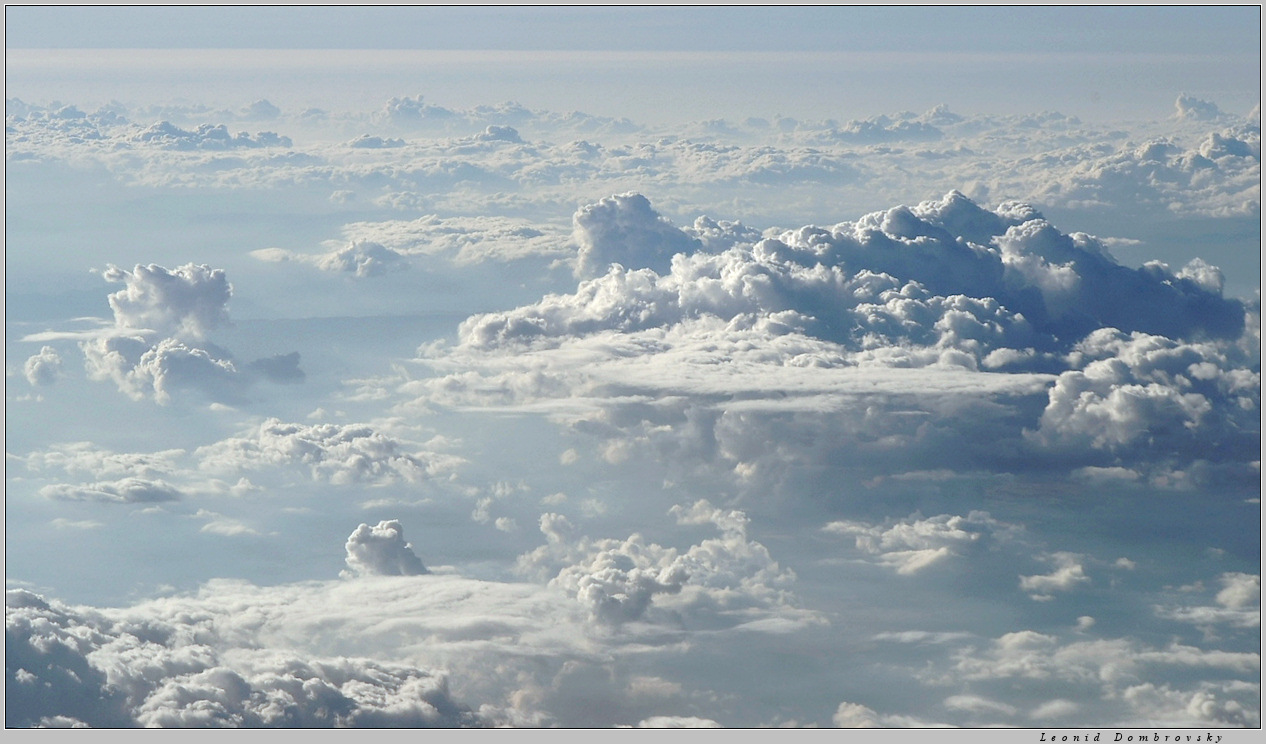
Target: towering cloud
x,y
998,310
186,302
624,229
381,551
159,345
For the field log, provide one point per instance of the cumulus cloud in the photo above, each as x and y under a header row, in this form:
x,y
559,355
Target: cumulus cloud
x,y
1115,669
70,666
1067,575
625,230
988,304
158,347
775,169
43,368
359,258
1145,391
359,651
620,581
338,453
1190,107
676,722
142,370
1236,605
123,491
206,137
185,302
381,551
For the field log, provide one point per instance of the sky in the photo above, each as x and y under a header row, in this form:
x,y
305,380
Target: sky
x,y
645,367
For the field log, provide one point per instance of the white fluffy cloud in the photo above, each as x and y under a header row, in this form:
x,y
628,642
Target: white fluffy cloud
x,y
624,229
158,347
338,453
914,544
186,302
619,581
363,650
984,304
76,666
1067,575
43,368
122,491
380,550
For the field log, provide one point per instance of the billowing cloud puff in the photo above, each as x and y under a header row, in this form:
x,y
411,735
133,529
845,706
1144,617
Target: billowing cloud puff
x,y
1190,107
1059,284
142,370
187,302
43,368
624,229
334,452
619,580
381,551
158,347
1144,391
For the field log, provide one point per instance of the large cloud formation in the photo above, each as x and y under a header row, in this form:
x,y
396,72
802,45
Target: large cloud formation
x,y
1002,315
69,667
315,654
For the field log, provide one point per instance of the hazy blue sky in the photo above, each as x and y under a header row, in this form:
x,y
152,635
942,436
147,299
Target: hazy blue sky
x,y
1182,30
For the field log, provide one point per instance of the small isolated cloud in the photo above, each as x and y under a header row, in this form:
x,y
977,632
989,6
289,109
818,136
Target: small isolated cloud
x,y
62,523
915,544
1068,575
218,524
677,722
380,550
43,368
853,715
358,258
1194,109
